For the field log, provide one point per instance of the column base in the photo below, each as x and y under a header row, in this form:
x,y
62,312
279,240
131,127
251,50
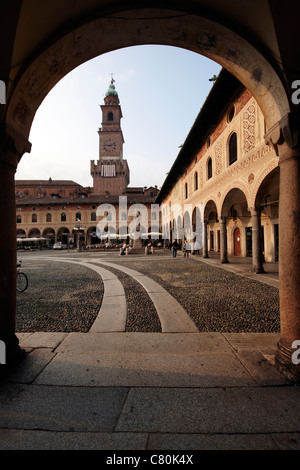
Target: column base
x,y
259,270
14,353
224,261
284,363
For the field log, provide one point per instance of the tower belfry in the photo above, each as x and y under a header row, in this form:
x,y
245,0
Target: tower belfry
x,y
111,172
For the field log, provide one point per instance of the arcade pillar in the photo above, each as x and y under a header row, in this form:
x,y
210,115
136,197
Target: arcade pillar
x,y
285,137
12,147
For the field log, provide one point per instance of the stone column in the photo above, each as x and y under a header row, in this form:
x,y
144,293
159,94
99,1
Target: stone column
x,y
257,254
223,240
205,246
11,150
285,137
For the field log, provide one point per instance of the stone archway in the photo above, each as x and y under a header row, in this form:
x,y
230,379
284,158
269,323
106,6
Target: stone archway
x,y
267,202
235,217
49,234
146,26
210,225
72,47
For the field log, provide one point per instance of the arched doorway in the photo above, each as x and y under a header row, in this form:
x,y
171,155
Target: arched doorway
x,y
237,242
211,230
267,200
236,217
63,235
83,40
49,234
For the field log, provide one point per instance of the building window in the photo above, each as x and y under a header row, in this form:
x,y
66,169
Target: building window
x,y
209,168
48,218
19,219
34,218
78,216
93,216
186,190
63,217
196,180
231,113
232,148
110,116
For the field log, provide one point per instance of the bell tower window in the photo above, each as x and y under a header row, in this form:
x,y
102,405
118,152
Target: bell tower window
x,y
110,116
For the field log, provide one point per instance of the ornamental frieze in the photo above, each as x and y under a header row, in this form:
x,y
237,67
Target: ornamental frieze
x,y
218,157
240,166
249,128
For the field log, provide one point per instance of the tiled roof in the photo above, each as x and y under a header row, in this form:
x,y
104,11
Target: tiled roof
x,y
46,183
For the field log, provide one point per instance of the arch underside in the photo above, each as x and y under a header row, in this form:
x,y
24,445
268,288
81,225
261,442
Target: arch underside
x,y
164,27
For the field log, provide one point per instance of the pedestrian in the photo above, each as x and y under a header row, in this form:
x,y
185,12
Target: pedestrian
x,y
185,252
175,248
123,249
196,247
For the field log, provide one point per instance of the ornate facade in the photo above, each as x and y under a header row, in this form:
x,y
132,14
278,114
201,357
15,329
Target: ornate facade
x,y
227,175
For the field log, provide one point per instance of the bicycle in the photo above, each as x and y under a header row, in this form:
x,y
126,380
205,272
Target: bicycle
x,y
22,279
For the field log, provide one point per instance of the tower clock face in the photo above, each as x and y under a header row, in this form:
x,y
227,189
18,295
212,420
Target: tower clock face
x,y
109,145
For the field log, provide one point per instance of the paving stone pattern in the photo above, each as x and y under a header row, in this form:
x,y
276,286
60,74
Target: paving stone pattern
x,y
67,297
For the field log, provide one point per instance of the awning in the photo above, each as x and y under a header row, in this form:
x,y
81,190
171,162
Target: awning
x,y
32,239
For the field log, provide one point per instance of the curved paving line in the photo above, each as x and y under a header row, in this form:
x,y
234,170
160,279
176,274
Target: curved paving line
x,y
113,312
141,312
173,317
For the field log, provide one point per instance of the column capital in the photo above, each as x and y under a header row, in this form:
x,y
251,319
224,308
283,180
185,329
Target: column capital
x,y
285,135
254,210
12,145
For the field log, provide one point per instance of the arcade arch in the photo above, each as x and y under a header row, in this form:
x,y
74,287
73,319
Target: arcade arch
x,y
49,235
184,29
236,218
267,201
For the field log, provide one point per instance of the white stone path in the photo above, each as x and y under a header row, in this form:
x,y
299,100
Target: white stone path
x,y
113,311
173,317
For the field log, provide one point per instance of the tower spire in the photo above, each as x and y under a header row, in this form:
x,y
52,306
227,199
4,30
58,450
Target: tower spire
x,y
112,89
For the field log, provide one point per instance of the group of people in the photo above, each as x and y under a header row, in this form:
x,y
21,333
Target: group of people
x,y
187,248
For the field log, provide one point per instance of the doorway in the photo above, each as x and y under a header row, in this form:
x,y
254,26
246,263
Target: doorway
x,y
237,242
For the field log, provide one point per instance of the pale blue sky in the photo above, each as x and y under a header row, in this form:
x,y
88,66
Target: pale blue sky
x,y
161,90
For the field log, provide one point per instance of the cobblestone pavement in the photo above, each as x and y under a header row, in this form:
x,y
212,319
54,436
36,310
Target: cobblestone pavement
x,y
66,297
135,387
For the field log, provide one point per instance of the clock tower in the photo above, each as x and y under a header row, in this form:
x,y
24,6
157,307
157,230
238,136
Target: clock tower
x,y
111,172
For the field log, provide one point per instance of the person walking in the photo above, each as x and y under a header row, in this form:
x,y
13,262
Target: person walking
x,y
185,252
174,248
